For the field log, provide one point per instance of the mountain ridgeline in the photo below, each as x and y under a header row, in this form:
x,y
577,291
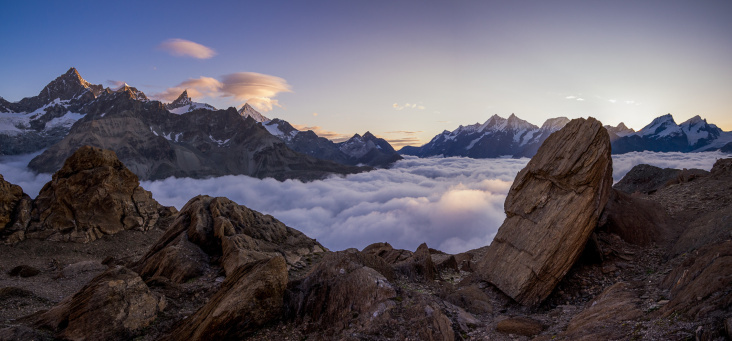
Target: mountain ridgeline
x,y
182,138
514,137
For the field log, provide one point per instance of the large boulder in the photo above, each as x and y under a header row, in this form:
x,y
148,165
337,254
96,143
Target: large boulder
x,y
115,305
217,231
552,207
93,195
638,221
15,208
248,299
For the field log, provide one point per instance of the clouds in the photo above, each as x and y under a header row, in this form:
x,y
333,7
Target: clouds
x,y
452,204
330,135
407,138
257,89
186,48
396,106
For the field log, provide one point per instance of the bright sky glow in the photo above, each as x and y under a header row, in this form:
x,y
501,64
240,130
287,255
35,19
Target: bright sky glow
x,y
404,70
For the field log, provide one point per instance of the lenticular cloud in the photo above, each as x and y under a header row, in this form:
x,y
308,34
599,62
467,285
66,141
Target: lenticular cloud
x,y
452,204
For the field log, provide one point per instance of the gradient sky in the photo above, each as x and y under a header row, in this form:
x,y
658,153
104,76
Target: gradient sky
x,y
404,70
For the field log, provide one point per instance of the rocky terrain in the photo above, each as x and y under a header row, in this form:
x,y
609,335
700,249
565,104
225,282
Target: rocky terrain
x,y
574,260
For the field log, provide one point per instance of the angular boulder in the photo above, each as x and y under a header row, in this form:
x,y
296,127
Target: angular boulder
x,y
15,208
248,299
552,207
115,305
93,195
211,229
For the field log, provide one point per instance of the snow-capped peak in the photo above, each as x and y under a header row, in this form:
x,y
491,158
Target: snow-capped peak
x,y
661,126
247,111
495,122
121,87
516,123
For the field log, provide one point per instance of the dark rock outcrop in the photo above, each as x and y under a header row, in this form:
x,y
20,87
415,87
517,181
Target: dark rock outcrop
x,y
603,317
552,208
15,207
520,326
115,305
648,179
219,230
637,220
249,298
93,195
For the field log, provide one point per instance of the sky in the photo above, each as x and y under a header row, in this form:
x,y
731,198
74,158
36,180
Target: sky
x,y
404,70
452,204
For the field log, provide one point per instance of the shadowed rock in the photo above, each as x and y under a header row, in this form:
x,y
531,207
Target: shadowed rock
x,y
603,316
93,195
15,209
648,179
249,298
552,208
636,220
113,306
209,229
520,326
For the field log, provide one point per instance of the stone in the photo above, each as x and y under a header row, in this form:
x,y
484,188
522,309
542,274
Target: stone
x,y
116,305
387,252
602,318
15,208
552,208
345,286
24,271
472,299
92,195
636,220
249,298
419,267
210,228
520,326
702,283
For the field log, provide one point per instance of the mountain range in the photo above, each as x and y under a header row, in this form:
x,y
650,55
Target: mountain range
x,y
182,138
514,137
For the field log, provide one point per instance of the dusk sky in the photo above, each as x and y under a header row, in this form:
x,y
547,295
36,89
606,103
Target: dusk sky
x,y
404,70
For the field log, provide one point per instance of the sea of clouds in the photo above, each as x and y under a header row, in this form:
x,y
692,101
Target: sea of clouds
x,y
452,204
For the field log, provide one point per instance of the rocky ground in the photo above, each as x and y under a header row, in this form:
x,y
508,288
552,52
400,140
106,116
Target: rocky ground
x,y
656,264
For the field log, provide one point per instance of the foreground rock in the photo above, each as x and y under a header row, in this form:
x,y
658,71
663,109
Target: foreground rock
x,y
115,305
248,299
15,209
93,195
552,208
212,231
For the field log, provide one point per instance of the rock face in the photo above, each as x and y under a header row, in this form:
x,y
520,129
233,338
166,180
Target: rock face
x,y
93,195
638,221
602,319
552,208
209,229
113,306
15,209
249,298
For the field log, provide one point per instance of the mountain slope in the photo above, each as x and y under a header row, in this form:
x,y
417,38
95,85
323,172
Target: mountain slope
x,y
247,111
155,143
358,150
664,135
496,137
184,104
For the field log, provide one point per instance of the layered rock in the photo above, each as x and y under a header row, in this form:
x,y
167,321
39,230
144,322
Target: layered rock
x,y
218,231
647,179
249,298
552,208
115,305
93,195
15,207
638,221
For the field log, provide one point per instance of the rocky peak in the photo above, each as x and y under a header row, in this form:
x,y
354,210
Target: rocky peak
x,y
247,111
134,93
67,86
181,101
515,123
92,195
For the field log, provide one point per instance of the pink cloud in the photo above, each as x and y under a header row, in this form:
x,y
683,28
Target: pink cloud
x,y
182,47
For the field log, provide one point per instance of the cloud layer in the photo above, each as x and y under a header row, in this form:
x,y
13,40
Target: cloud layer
x,y
182,47
452,204
257,89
